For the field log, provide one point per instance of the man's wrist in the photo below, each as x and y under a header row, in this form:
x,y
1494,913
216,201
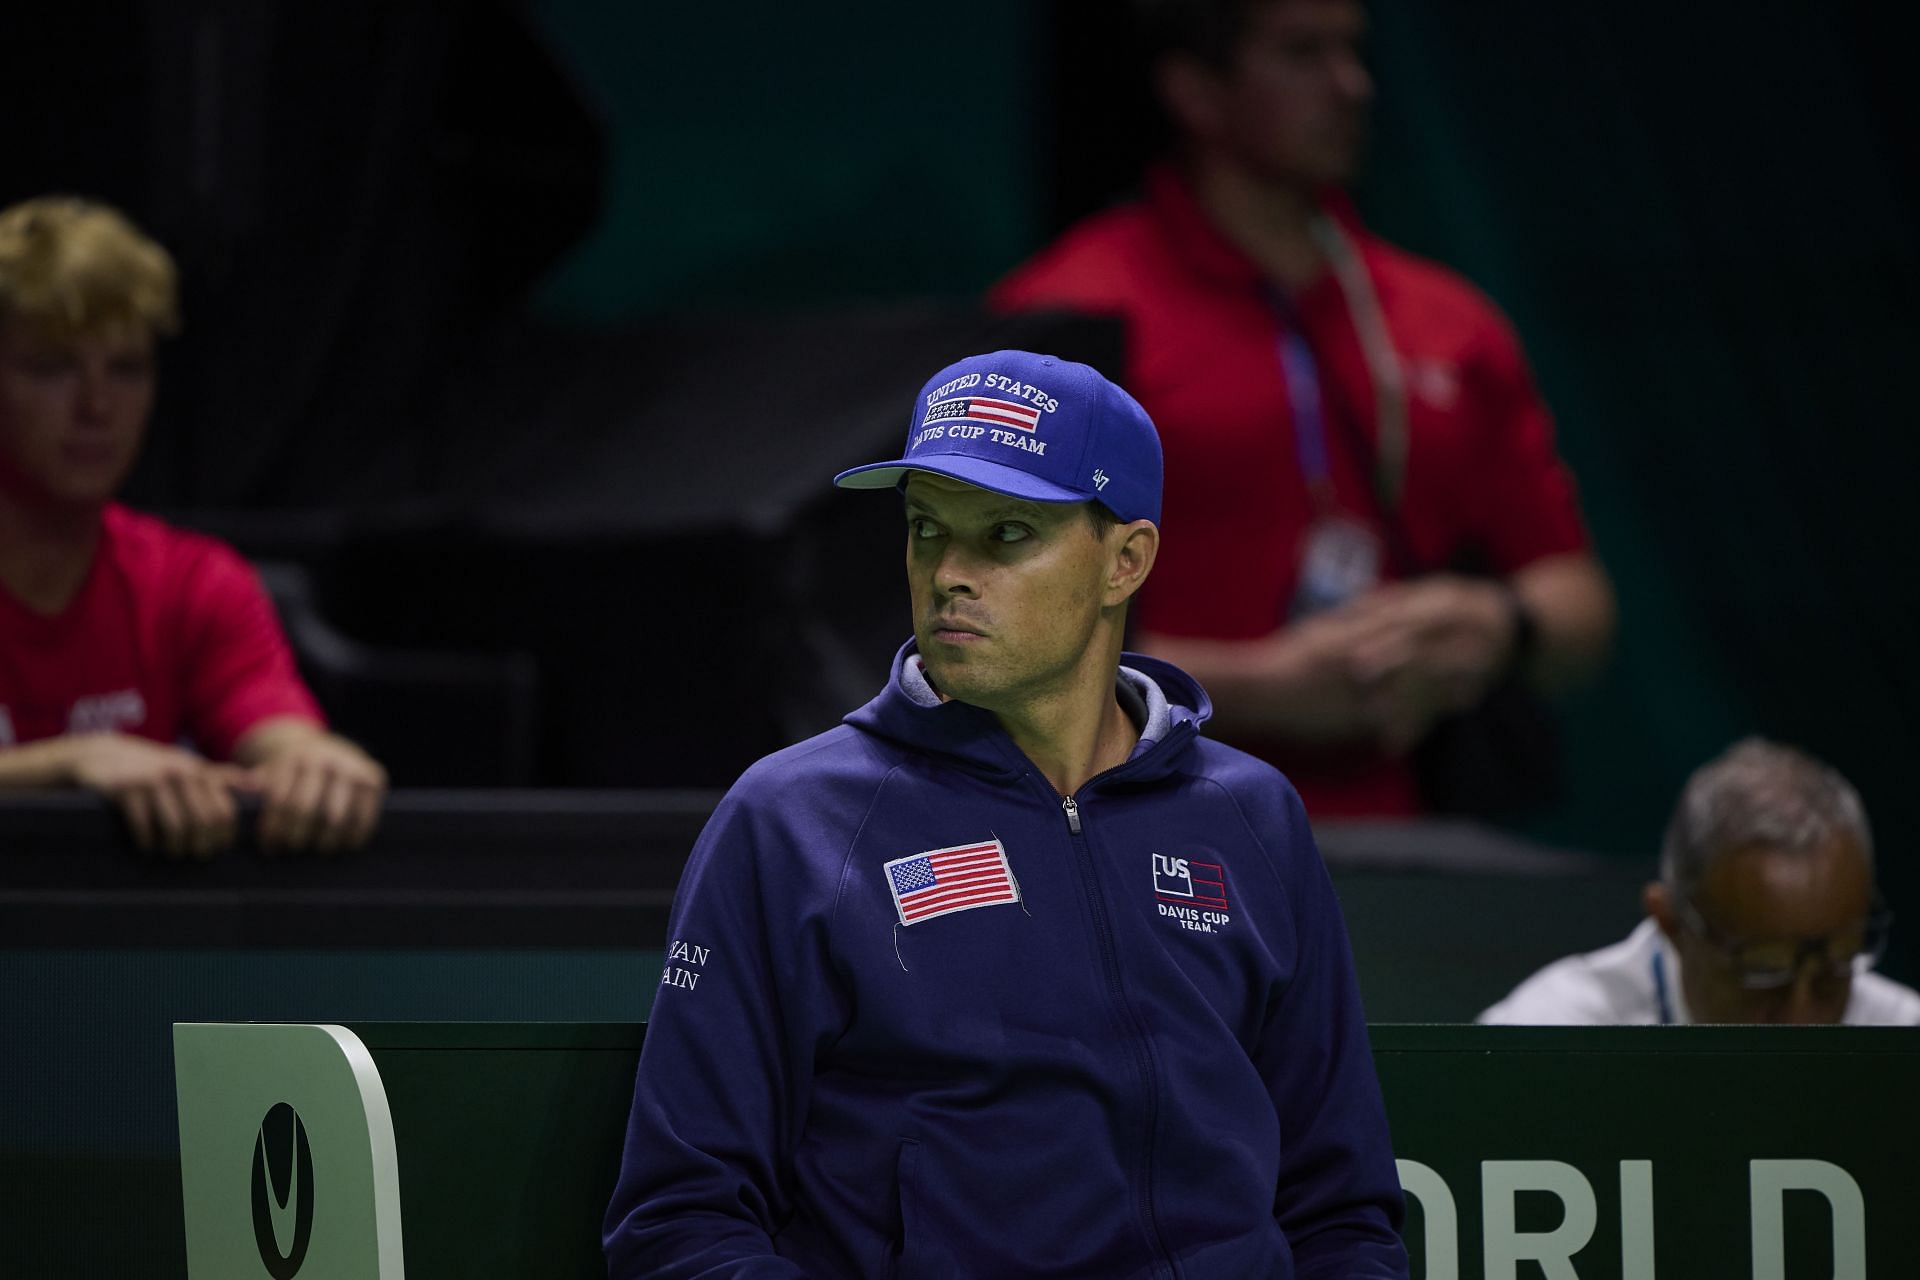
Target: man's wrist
x,y
65,757
1523,632
49,762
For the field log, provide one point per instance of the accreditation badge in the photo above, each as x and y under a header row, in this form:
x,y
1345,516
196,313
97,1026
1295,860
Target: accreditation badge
x,y
1339,560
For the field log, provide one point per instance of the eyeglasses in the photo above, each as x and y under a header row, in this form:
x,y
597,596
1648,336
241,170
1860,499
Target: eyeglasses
x,y
1768,966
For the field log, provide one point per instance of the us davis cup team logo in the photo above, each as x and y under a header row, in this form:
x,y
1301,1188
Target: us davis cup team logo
x,y
986,412
1192,892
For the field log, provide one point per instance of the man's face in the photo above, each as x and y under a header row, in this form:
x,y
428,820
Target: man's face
x,y
72,413
1765,905
1292,105
1006,593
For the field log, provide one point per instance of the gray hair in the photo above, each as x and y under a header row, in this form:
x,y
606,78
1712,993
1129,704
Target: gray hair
x,y
1759,793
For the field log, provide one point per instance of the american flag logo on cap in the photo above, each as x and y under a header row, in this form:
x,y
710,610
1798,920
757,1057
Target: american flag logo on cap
x,y
957,878
995,413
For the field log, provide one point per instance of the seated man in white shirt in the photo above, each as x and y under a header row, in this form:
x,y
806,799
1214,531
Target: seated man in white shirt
x,y
1765,911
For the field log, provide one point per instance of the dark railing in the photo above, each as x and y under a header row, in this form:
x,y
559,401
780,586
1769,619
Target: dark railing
x,y
596,869
446,868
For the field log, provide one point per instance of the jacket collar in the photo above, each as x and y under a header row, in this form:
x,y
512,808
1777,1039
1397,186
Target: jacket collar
x,y
973,739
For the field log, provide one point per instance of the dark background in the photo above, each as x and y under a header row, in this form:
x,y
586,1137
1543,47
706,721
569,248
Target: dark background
x,y
537,328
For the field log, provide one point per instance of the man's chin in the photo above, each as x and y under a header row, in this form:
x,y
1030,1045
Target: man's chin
x,y
952,676
63,495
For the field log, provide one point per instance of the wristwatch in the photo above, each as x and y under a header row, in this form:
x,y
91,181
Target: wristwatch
x,y
1526,633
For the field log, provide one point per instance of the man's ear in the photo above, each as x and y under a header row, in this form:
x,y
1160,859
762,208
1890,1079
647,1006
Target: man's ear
x,y
1134,548
1657,900
1189,91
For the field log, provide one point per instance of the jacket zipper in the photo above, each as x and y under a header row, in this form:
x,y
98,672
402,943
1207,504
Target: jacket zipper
x,y
1142,1047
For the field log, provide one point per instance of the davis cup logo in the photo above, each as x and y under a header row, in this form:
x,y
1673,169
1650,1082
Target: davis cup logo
x,y
282,1192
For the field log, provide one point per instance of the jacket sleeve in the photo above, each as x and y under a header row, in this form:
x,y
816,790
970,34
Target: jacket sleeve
x,y
726,1065
1338,1195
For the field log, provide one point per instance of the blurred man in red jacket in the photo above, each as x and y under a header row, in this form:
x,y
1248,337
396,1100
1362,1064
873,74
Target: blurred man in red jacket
x,y
1375,531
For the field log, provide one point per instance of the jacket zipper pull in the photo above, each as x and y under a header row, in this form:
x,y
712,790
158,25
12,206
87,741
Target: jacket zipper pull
x,y
1073,814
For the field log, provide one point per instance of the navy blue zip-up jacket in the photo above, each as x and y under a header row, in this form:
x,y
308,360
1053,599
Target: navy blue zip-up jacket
x,y
1151,1063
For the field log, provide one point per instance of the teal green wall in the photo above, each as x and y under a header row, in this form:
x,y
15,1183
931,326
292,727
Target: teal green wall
x,y
768,154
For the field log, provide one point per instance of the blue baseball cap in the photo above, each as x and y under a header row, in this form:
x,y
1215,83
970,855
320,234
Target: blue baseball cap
x,y
1030,426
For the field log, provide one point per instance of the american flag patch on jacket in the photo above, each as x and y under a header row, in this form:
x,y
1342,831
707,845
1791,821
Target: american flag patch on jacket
x,y
959,878
997,413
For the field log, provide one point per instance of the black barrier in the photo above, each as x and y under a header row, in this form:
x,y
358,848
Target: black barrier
x,y
503,868
513,868
557,872
593,872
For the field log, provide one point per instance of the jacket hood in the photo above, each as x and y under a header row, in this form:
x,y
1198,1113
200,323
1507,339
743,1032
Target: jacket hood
x,y
973,738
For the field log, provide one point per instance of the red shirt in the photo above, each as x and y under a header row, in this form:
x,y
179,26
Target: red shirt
x,y
171,637
1482,483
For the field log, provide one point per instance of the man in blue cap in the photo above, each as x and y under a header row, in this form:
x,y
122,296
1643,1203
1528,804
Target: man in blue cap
x,y
1012,973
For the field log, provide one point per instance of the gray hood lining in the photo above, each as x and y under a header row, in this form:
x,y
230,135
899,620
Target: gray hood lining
x,y
1138,694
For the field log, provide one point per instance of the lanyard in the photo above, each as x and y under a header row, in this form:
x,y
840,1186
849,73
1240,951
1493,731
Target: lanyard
x,y
1302,375
1660,988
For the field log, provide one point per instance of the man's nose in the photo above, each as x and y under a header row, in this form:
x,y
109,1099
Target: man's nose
x,y
95,393
1803,1005
957,573
1353,78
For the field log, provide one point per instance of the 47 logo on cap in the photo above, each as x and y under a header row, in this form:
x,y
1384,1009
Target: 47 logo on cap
x,y
957,878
